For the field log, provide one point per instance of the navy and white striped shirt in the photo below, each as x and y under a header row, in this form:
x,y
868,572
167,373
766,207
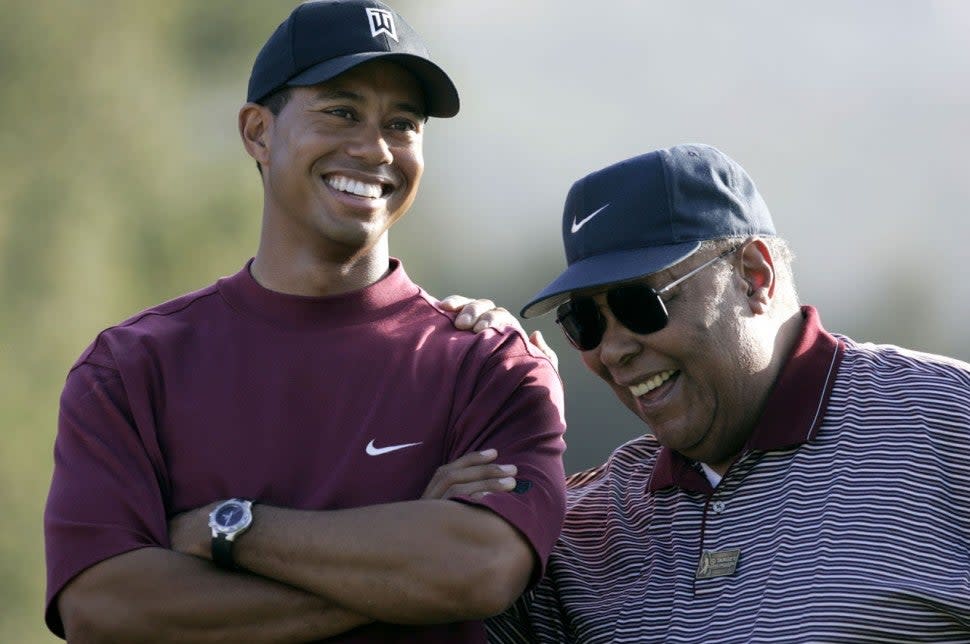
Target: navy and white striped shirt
x,y
849,509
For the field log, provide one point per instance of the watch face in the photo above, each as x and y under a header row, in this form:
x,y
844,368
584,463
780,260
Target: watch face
x,y
229,515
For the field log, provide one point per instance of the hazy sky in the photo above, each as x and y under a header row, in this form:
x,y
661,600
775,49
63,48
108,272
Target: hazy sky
x,y
852,117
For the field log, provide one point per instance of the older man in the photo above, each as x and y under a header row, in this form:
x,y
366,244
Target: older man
x,y
794,485
263,460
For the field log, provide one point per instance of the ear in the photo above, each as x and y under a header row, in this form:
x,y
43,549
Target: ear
x,y
255,123
758,271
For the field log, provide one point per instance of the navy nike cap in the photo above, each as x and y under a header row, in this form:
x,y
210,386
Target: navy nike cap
x,y
323,38
645,214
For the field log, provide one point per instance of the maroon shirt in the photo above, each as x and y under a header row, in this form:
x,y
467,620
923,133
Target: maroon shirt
x,y
235,390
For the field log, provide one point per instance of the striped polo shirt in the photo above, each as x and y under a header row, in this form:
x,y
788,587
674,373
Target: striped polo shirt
x,y
846,518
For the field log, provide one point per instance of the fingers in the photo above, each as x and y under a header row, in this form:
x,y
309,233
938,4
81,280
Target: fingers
x,y
454,302
483,314
469,311
479,489
478,315
473,474
445,475
540,342
497,318
470,315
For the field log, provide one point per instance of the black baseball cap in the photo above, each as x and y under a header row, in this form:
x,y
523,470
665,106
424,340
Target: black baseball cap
x,y
645,214
323,38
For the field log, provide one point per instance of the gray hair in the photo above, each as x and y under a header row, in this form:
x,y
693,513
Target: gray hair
x,y
781,255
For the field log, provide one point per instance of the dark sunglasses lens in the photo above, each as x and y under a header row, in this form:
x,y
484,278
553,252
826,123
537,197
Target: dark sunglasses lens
x,y
638,308
582,323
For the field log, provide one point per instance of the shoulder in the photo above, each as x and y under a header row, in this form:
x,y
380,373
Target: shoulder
x,y
898,387
890,356
154,323
893,366
489,346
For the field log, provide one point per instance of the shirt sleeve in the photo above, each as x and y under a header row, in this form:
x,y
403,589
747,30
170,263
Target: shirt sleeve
x,y
105,498
515,405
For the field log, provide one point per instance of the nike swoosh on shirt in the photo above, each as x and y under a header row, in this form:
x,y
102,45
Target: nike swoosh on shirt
x,y
580,224
377,451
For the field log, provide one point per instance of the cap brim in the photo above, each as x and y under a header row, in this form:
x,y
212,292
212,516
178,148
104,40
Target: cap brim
x,y
441,96
607,268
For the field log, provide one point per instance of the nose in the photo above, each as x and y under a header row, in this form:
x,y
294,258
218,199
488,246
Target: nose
x,y
619,344
370,146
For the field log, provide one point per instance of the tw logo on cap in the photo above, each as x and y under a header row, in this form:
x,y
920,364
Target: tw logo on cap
x,y
381,22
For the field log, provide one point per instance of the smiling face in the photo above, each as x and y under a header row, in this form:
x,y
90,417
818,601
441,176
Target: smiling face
x,y
700,382
341,162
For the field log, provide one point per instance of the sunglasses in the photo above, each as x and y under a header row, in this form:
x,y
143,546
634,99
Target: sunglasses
x,y
638,307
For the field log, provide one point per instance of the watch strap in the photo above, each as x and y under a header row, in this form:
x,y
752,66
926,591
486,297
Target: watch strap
x,y
222,552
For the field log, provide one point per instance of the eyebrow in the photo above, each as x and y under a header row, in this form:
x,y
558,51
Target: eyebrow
x,y
333,94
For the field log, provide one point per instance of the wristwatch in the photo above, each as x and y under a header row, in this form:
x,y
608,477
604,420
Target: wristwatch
x,y
228,520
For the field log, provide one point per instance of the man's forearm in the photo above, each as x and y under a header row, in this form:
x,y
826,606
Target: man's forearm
x,y
153,594
409,563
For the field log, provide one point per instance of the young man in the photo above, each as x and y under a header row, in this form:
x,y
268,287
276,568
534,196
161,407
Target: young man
x,y
794,486
263,459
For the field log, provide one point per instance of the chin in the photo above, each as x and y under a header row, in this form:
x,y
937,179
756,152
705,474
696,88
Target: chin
x,y
678,438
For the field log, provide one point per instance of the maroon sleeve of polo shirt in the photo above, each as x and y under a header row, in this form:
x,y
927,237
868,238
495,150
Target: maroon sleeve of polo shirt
x,y
515,405
103,464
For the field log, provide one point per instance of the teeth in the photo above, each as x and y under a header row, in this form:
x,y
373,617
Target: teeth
x,y
651,384
354,187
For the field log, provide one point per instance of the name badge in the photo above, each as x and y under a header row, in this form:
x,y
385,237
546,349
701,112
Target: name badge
x,y
718,563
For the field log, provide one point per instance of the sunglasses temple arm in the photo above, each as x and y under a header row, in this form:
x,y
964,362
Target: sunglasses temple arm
x,y
684,277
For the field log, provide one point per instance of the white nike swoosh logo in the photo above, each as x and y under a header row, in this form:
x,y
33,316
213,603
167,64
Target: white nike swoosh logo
x,y
577,226
377,451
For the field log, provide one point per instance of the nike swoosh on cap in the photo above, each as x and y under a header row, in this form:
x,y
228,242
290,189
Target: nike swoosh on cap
x,y
581,223
377,451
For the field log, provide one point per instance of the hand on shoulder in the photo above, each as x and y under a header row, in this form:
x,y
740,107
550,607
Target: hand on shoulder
x,y
481,314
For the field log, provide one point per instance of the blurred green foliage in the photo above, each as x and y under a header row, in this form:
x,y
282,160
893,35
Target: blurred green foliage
x,y
122,184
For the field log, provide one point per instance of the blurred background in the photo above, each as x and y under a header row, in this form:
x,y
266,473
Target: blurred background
x,y
123,182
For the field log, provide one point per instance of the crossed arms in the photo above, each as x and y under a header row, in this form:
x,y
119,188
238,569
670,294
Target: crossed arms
x,y
313,574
